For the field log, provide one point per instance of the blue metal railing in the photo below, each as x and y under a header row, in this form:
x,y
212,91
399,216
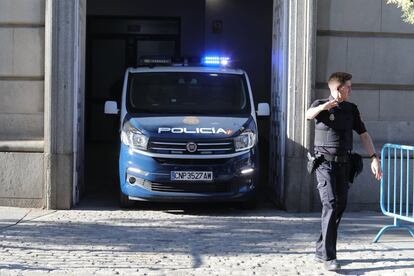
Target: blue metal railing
x,y
396,199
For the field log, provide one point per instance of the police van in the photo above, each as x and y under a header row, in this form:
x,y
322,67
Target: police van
x,y
188,133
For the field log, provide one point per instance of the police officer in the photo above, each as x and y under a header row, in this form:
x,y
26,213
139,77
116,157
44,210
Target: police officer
x,y
335,119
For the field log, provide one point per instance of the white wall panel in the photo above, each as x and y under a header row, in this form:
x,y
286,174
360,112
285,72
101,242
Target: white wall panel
x,y
21,96
349,15
330,56
21,126
22,11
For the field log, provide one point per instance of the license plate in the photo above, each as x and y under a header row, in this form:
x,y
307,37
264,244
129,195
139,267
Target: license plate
x,y
191,176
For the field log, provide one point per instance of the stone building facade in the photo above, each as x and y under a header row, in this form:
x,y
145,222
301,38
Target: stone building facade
x,y
42,87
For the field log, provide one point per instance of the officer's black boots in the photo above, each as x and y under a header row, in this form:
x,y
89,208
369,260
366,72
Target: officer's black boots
x,y
331,265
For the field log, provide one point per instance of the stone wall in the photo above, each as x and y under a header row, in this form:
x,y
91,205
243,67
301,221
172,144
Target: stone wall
x,y
369,39
21,102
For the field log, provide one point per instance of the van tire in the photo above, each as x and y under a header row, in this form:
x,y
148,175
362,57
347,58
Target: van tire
x,y
125,202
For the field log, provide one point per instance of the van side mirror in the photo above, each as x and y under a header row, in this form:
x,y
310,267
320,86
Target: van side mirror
x,y
263,109
111,107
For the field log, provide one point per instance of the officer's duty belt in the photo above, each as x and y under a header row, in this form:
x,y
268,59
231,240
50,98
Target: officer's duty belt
x,y
336,158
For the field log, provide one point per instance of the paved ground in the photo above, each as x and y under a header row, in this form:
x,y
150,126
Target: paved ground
x,y
179,240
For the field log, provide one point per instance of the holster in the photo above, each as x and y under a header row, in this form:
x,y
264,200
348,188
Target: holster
x,y
313,162
355,166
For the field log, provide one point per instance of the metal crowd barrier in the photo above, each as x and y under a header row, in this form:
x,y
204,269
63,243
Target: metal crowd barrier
x,y
397,186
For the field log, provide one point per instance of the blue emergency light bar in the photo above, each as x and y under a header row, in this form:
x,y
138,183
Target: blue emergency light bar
x,y
181,61
216,60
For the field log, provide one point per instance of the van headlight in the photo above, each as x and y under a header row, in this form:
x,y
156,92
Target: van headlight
x,y
133,138
245,141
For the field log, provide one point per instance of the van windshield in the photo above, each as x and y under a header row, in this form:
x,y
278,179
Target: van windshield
x,y
187,93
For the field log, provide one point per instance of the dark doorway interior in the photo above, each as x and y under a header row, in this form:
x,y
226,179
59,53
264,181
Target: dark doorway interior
x,y
114,44
118,31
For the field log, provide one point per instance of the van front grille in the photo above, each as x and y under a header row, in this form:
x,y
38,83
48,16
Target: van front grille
x,y
192,162
224,146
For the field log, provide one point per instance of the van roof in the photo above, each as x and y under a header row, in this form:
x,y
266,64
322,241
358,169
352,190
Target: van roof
x,y
198,69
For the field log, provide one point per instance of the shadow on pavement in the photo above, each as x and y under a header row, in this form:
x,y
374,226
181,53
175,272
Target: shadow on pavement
x,y
194,230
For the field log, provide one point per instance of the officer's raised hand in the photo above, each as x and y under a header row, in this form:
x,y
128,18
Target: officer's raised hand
x,y
330,105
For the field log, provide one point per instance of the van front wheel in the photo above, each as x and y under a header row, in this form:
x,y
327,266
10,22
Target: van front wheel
x,y
124,201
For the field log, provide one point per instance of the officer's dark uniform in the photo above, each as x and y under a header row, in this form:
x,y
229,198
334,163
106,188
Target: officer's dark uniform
x,y
333,140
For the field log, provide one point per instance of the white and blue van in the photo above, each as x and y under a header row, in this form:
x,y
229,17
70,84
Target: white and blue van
x,y
188,133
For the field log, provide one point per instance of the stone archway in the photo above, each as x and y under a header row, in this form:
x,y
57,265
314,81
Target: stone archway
x,y
292,86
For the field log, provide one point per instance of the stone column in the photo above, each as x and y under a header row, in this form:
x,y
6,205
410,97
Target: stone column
x,y
59,102
301,74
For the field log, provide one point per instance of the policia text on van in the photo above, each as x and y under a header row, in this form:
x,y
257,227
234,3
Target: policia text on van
x,y
188,133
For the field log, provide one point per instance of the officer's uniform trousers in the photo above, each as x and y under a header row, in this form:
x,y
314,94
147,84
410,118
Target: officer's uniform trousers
x,y
333,188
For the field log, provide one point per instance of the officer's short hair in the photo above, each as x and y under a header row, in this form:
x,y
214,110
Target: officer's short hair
x,y
340,77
